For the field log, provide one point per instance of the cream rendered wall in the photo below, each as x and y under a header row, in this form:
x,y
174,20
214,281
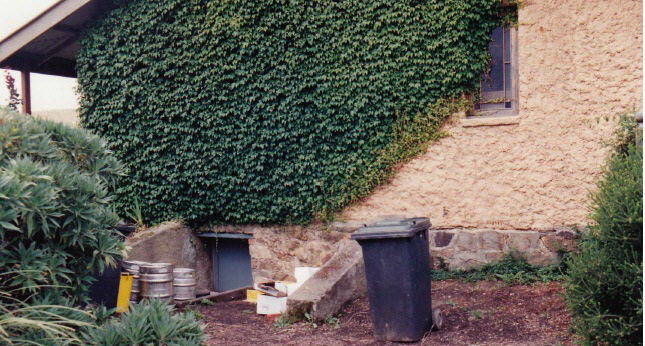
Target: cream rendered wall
x,y
578,60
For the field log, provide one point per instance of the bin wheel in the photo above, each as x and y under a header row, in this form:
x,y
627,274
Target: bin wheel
x,y
437,319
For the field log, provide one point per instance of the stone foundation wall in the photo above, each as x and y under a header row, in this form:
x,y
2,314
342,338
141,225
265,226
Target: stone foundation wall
x,y
471,248
277,250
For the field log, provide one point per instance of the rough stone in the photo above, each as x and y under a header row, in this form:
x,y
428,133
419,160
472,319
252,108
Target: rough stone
x,y
567,234
521,241
476,247
277,250
442,239
467,240
466,260
491,240
340,280
174,243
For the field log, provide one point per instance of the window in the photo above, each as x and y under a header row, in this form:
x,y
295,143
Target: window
x,y
499,89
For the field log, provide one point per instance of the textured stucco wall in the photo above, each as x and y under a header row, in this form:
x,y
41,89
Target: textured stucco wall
x,y
578,60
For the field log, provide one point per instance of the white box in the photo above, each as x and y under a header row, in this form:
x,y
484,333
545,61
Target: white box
x,y
283,286
303,274
268,305
292,287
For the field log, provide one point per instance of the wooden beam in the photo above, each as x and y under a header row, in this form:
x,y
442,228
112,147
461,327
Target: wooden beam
x,y
37,26
26,92
216,297
57,48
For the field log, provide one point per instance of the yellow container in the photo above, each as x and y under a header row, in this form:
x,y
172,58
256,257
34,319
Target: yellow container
x,y
125,286
252,296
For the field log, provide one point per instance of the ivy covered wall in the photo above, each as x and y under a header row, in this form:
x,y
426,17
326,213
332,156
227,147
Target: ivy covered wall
x,y
273,111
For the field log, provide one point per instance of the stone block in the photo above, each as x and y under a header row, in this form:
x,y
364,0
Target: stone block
x,y
492,240
174,243
466,260
441,238
340,280
521,241
467,241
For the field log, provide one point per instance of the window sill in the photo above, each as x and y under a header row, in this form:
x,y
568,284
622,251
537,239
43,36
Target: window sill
x,y
474,121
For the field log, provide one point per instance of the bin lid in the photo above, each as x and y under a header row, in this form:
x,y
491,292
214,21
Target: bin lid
x,y
400,228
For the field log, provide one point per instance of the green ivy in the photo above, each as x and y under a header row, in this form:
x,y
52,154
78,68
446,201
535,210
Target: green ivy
x,y
273,111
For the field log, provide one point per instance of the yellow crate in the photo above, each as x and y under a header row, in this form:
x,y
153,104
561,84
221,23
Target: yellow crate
x,y
252,296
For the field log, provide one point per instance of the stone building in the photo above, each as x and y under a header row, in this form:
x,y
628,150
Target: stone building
x,y
514,176
514,179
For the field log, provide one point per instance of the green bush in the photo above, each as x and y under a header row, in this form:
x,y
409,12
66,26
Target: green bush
x,y
46,320
148,323
273,110
55,213
605,285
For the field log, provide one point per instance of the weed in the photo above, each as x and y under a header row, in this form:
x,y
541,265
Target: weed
x,y
310,321
247,311
476,314
512,270
283,321
332,322
451,303
135,213
206,302
198,314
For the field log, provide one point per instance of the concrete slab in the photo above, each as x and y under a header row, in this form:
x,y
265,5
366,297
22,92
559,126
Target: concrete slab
x,y
340,280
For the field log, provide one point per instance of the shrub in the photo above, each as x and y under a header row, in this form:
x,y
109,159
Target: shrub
x,y
55,214
148,323
273,111
47,320
604,289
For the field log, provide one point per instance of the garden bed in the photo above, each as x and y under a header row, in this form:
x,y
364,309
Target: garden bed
x,y
479,313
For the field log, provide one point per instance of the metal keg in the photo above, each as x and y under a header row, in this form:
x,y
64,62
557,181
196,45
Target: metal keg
x,y
156,268
133,267
184,284
156,281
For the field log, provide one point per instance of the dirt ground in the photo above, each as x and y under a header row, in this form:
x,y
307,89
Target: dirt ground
x,y
482,313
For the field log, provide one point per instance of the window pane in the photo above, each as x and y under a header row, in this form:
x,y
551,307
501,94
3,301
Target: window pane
x,y
495,81
507,76
507,42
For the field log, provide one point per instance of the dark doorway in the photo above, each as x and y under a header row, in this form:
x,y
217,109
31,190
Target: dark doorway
x,y
232,263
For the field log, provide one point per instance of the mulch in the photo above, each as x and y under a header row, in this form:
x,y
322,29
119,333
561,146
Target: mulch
x,y
480,313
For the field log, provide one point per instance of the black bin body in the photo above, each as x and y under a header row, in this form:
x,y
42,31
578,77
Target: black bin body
x,y
397,266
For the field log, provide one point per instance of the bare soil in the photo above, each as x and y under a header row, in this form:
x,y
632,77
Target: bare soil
x,y
481,313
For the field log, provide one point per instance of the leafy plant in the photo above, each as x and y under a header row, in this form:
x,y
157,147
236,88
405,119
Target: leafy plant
x,y
332,322
476,314
206,302
55,212
605,285
41,322
135,214
275,112
151,322
308,320
513,269
198,314
283,321
14,96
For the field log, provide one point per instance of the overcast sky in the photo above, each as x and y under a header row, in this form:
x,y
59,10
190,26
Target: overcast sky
x,y
47,92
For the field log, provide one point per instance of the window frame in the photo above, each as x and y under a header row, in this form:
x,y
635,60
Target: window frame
x,y
514,90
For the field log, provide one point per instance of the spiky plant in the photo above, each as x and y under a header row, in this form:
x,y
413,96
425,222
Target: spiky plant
x,y
56,220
